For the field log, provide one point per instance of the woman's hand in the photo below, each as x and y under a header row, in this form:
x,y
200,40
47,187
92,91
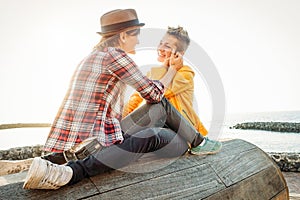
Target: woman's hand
x,y
176,61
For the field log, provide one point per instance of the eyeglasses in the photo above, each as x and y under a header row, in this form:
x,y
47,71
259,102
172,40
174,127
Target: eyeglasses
x,y
133,32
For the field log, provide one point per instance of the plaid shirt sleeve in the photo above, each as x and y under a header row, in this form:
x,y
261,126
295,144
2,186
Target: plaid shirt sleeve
x,y
94,102
128,72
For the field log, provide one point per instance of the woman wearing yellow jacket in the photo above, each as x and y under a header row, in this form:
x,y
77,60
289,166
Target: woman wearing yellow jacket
x,y
180,91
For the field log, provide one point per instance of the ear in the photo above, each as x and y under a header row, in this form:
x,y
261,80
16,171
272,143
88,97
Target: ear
x,y
123,37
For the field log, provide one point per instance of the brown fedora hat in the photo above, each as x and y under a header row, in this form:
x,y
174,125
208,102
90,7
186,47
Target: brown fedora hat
x,y
118,20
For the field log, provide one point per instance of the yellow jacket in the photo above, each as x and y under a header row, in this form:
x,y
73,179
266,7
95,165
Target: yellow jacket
x,y
180,94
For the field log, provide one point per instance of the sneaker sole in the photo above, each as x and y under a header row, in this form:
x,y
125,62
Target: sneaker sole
x,y
35,174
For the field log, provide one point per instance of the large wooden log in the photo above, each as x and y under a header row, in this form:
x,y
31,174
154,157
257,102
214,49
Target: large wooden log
x,y
240,171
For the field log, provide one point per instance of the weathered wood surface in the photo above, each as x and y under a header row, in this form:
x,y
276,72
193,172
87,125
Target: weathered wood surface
x,y
240,171
293,183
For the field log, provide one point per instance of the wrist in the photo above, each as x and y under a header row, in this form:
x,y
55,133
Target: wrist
x,y
174,67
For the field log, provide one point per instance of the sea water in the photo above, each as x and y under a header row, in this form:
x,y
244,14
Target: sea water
x,y
268,141
19,137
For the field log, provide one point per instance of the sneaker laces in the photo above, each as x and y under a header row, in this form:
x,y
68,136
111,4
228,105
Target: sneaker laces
x,y
56,176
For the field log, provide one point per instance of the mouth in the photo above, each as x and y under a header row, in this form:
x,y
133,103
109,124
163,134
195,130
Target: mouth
x,y
160,54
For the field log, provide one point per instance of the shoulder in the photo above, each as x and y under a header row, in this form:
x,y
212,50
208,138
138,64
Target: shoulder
x,y
115,51
116,54
186,69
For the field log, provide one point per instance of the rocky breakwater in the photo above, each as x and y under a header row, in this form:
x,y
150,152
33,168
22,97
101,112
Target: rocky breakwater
x,y
21,153
270,126
287,162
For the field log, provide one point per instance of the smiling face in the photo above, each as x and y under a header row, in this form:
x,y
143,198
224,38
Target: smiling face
x,y
167,44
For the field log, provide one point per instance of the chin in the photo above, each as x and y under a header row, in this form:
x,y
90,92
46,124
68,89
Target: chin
x,y
131,52
160,59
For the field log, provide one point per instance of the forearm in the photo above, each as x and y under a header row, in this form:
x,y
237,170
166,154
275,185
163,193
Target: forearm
x,y
168,77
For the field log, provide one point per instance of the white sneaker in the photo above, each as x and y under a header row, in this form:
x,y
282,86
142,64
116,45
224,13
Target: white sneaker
x,y
43,174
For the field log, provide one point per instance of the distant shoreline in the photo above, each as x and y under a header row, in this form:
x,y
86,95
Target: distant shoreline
x,y
24,125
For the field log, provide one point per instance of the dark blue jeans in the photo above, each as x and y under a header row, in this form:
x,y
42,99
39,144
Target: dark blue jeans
x,y
157,128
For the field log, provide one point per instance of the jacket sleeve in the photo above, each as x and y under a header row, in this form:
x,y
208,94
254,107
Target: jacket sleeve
x,y
125,69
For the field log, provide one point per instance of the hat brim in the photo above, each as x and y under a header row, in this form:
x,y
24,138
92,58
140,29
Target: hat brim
x,y
121,30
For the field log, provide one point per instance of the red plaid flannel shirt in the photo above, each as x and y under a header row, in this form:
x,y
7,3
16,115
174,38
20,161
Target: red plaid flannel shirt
x,y
95,98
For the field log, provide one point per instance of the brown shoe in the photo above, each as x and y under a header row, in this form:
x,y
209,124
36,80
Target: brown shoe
x,y
57,158
83,149
78,152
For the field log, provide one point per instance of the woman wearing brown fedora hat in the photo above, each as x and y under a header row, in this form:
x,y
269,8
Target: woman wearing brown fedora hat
x,y
93,106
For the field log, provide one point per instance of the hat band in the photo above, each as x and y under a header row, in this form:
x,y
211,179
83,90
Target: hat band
x,y
119,26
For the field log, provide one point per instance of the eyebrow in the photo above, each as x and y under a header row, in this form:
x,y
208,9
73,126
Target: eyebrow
x,y
161,41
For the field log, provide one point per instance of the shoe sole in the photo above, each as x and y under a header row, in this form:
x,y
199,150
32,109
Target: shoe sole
x,y
35,174
207,153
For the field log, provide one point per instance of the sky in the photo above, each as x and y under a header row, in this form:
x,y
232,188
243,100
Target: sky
x,y
254,45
